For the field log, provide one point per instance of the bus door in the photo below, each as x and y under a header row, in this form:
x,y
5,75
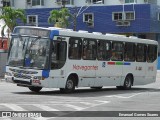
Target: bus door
x,y
151,63
58,60
140,65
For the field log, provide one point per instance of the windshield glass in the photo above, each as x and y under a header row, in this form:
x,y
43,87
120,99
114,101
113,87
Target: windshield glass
x,y
17,51
32,52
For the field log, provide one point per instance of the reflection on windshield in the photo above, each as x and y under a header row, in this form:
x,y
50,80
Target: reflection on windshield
x,y
29,52
17,51
36,53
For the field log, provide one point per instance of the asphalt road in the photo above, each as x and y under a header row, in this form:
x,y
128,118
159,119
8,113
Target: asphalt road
x,y
139,98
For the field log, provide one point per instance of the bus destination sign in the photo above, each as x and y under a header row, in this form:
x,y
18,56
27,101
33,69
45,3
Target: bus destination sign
x,y
32,32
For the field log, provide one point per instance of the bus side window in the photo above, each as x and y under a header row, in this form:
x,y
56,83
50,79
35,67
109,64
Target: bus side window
x,y
75,47
141,53
104,48
151,53
89,49
129,52
117,51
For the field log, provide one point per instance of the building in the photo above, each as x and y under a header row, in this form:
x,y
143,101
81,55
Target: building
x,y
139,18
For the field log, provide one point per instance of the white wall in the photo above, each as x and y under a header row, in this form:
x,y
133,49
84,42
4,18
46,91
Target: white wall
x,y
52,3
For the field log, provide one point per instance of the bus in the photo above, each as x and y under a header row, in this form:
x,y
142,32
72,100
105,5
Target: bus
x,y
61,58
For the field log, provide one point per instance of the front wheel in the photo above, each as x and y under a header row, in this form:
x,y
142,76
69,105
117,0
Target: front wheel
x,y
70,85
35,89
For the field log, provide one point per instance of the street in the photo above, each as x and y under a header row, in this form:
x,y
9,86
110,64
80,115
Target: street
x,y
139,98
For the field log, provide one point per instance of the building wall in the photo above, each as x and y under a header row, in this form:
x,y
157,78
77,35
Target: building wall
x,y
53,3
103,18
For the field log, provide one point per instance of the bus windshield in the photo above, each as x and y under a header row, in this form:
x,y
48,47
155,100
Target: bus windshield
x,y
31,52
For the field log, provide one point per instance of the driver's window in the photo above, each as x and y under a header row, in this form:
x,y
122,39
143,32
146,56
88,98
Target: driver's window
x,y
58,56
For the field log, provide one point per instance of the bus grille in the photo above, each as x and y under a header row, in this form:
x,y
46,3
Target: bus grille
x,y
23,71
17,75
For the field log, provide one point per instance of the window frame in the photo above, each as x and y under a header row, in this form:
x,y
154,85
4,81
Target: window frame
x,y
154,55
133,52
140,55
32,23
85,53
116,54
79,47
104,51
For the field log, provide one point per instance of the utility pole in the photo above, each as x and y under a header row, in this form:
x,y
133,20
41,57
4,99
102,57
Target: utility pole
x,y
75,18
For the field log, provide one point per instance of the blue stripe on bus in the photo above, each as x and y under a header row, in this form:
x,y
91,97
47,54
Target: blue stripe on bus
x,y
45,73
53,33
127,63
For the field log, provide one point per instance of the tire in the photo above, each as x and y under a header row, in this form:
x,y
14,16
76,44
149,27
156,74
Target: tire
x,y
127,83
70,85
35,89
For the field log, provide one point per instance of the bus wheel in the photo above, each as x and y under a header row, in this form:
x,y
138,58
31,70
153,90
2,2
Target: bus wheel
x,y
128,82
35,89
70,85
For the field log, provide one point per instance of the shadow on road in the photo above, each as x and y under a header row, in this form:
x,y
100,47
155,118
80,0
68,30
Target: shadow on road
x,y
91,92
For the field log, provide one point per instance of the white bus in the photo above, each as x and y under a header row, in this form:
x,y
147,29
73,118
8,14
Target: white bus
x,y
60,58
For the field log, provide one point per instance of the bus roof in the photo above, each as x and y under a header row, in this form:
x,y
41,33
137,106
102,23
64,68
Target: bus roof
x,y
94,35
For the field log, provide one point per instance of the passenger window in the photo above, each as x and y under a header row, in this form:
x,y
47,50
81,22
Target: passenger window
x,y
117,51
89,49
75,48
129,52
104,50
151,53
141,53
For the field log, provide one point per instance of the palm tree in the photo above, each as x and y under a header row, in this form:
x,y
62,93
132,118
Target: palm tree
x,y
10,17
59,18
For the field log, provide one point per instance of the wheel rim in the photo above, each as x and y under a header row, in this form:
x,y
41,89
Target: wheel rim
x,y
69,84
128,82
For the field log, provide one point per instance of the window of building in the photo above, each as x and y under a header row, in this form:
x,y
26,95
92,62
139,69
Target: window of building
x,y
123,16
6,3
158,16
32,20
141,53
130,1
129,52
151,53
117,16
129,16
117,51
98,1
37,2
89,49
70,2
104,50
88,18
75,48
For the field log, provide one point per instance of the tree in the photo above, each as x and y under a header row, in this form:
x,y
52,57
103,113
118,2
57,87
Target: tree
x,y
10,17
60,18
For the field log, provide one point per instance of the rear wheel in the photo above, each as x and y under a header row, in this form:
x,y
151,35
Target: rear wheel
x,y
127,83
35,89
70,85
